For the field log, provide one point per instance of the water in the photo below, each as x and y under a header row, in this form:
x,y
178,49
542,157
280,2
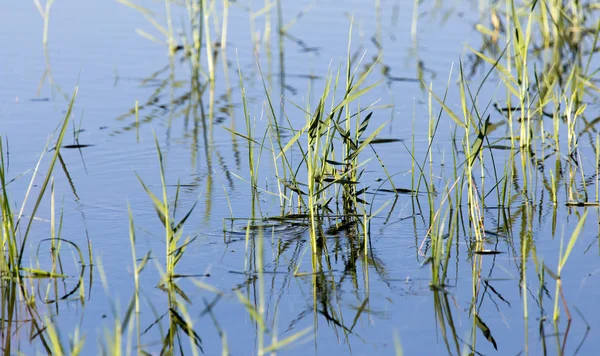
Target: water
x,y
357,302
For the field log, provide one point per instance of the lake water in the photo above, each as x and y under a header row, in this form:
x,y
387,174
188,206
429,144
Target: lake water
x,y
355,303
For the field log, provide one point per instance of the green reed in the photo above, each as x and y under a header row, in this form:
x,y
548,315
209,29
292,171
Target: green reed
x,y
536,51
545,75
11,261
327,131
19,280
175,244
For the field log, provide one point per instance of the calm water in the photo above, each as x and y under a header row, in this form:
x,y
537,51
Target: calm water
x,y
93,45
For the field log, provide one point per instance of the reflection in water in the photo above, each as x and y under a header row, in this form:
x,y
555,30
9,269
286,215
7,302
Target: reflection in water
x,y
340,258
316,237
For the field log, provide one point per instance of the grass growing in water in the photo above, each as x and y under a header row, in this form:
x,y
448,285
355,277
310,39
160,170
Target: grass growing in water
x,y
320,167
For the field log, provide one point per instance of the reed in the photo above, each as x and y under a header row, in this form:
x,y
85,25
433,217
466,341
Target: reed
x,y
520,135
